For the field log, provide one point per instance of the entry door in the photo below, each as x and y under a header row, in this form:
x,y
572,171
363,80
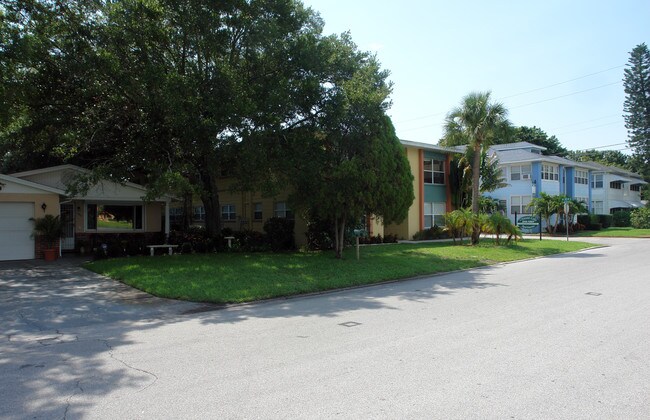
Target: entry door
x,y
67,216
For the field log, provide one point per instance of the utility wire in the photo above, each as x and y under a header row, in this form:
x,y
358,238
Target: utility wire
x,y
588,128
522,93
584,122
564,96
561,83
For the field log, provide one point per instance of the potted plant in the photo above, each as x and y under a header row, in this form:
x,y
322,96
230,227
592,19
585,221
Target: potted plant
x,y
49,229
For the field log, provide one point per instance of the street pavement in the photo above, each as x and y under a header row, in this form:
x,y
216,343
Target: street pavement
x,y
566,336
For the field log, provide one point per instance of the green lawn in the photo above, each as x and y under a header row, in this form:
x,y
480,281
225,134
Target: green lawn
x,y
622,232
233,277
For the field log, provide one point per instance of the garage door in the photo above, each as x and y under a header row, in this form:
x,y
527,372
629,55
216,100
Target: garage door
x,y
15,231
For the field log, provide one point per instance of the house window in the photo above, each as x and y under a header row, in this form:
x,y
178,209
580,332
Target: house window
x,y
434,171
503,206
582,199
282,210
597,181
597,207
617,185
550,172
434,214
176,215
635,187
519,172
199,214
228,212
257,211
114,217
519,204
581,177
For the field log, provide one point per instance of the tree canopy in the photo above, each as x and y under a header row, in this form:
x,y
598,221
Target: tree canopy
x,y
536,135
174,93
637,109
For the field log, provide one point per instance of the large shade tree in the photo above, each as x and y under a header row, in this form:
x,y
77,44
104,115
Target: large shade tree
x,y
477,122
348,163
159,89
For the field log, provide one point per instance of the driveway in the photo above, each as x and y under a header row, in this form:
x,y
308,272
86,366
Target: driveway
x,y
559,337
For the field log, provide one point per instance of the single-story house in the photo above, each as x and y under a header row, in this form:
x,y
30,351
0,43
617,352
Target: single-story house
x,y
107,209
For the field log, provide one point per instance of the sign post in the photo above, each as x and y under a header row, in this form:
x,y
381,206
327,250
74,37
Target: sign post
x,y
566,217
357,234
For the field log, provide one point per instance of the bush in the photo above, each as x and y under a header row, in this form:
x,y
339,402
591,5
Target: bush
x,y
280,233
606,220
319,235
250,241
434,232
594,226
622,218
640,218
584,219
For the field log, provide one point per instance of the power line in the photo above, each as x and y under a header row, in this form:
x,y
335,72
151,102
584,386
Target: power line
x,y
584,122
608,145
588,128
561,83
564,96
522,93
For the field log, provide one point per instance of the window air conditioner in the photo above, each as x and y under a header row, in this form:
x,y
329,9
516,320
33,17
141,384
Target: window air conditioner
x,y
525,176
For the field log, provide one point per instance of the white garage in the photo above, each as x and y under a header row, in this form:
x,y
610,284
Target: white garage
x,y
21,200
16,242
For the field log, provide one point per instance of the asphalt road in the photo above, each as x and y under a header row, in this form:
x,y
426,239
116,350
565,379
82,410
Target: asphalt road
x,y
559,337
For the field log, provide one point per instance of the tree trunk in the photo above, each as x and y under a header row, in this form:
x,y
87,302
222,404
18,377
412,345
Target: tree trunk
x,y
210,199
476,176
339,237
187,211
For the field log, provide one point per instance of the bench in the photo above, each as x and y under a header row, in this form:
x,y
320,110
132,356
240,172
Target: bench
x,y
153,247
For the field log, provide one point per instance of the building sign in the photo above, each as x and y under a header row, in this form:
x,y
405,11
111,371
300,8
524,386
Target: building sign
x,y
528,224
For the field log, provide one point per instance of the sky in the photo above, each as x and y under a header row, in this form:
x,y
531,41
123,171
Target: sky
x,y
557,65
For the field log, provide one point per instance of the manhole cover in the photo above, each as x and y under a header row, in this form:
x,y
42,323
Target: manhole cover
x,y
350,324
593,293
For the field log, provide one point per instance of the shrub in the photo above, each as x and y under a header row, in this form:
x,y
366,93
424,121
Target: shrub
x,y
640,218
319,235
606,220
434,232
390,239
250,241
584,219
280,233
622,218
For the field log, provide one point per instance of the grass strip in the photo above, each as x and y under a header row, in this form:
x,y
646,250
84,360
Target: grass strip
x,y
237,277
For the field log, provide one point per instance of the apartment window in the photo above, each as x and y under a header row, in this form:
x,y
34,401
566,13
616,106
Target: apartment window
x,y
617,185
581,177
503,205
597,207
228,213
282,210
114,217
434,214
519,204
582,199
635,187
597,181
550,172
199,214
519,172
434,171
257,211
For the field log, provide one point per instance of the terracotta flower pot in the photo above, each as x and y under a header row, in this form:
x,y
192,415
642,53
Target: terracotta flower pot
x,y
49,254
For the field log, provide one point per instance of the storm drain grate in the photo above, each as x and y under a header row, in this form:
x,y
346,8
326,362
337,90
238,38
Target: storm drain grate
x,y
350,324
593,293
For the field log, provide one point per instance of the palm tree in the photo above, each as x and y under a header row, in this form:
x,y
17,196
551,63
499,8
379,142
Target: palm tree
x,y
546,206
476,122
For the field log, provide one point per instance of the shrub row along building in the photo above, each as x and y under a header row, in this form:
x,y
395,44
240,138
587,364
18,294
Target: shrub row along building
x,y
111,209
